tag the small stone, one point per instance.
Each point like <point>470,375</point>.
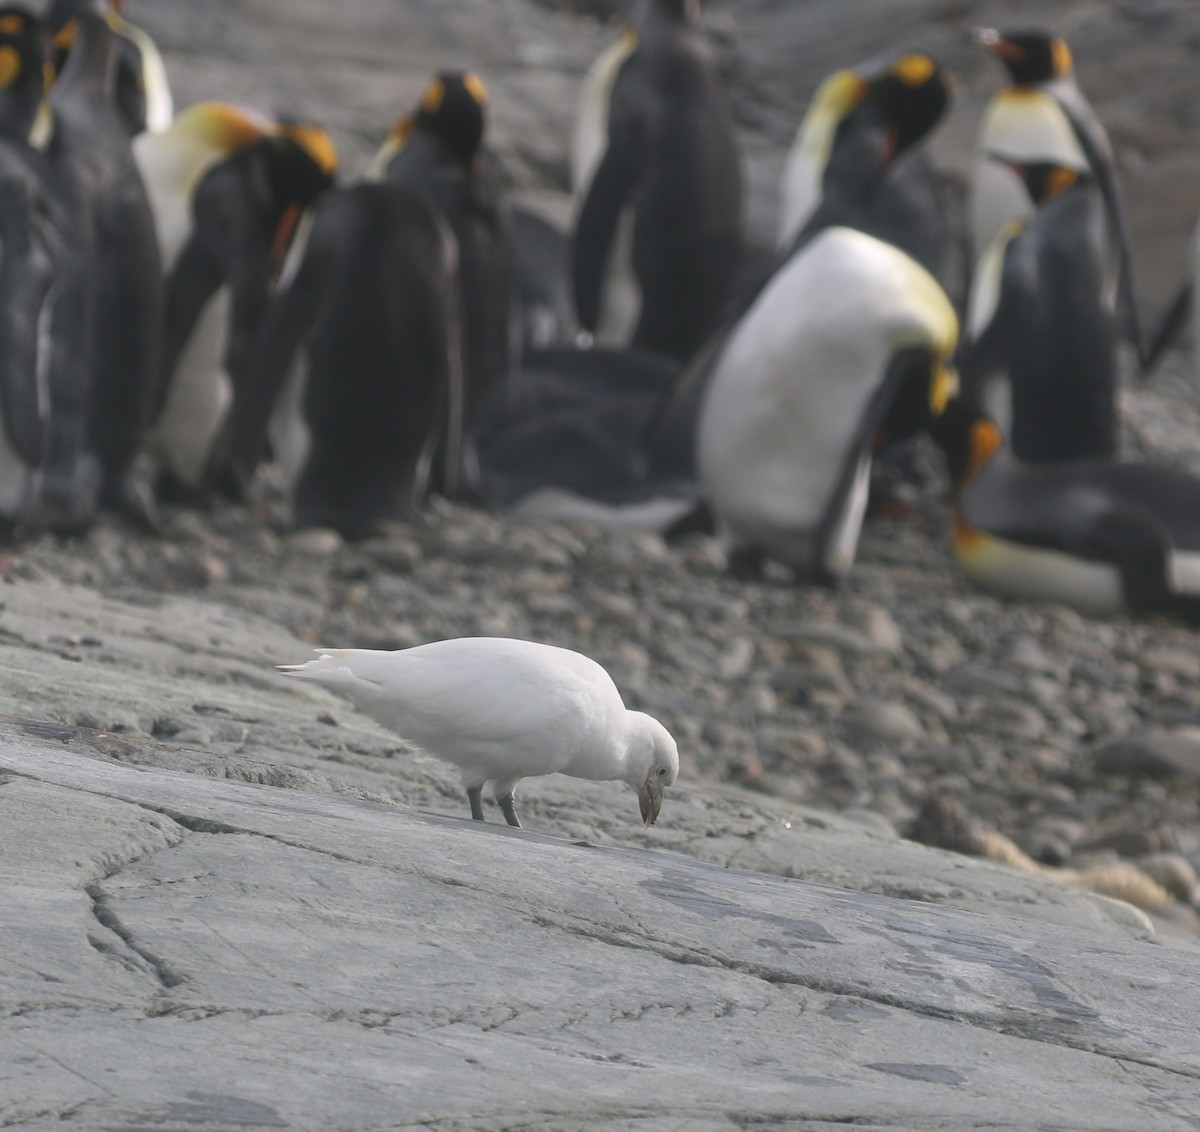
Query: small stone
<point>735,661</point>
<point>396,553</point>
<point>1005,716</point>
<point>883,722</point>
<point>319,542</point>
<point>880,629</point>
<point>1173,662</point>
<point>783,747</point>
<point>1164,754</point>
<point>844,639</point>
<point>1125,842</point>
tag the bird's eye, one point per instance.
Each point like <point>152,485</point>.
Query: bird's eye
<point>661,771</point>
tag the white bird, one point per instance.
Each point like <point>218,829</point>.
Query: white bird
<point>501,710</point>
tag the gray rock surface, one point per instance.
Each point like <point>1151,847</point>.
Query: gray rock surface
<point>183,953</point>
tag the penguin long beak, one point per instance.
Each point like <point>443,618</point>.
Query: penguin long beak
<point>650,798</point>
<point>997,44</point>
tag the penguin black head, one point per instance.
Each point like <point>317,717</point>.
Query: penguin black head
<point>683,11</point>
<point>1031,57</point>
<point>452,109</point>
<point>913,93</point>
<point>1043,180</point>
<point>24,48</point>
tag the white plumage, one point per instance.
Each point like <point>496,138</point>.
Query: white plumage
<point>501,710</point>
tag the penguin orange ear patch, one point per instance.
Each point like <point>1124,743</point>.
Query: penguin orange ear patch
<point>913,70</point>
<point>12,24</point>
<point>433,97</point>
<point>475,88</point>
<point>10,65</point>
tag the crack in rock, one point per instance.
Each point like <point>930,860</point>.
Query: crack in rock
<point>107,917</point>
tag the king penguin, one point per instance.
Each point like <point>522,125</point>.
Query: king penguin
<point>1041,349</point>
<point>439,152</point>
<point>90,153</point>
<point>671,157</point>
<point>142,90</point>
<point>858,151</point>
<point>1099,535</point>
<point>355,376</point>
<point>851,338</point>
<point>27,261</point>
<point>226,187</point>
<point>1043,117</point>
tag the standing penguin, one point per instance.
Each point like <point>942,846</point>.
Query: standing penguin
<point>226,187</point>
<point>848,340</point>
<point>1039,327</point>
<point>439,153</point>
<point>142,92</point>
<point>672,159</point>
<point>90,154</point>
<point>358,358</point>
<point>1044,117</point>
<point>858,153</point>
<point>1099,535</point>
<point>29,246</point>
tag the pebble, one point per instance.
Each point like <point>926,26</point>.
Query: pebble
<point>319,542</point>
<point>888,721</point>
<point>1166,754</point>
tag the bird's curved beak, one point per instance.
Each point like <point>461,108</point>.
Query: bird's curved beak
<point>650,798</point>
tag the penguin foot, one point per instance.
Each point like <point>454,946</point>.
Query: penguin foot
<point>133,499</point>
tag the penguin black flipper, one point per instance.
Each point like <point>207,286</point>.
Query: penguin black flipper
<point>26,278</point>
<point>897,408</point>
<point>1098,151</point>
<point>611,187</point>
<point>1168,330</point>
<point>290,320</point>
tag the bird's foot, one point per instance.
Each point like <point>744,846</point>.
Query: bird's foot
<point>509,810</point>
<point>474,797</point>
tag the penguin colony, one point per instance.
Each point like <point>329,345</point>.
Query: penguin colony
<point>189,297</point>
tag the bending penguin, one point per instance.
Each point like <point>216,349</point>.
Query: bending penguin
<point>227,188</point>
<point>1099,535</point>
<point>849,341</point>
<point>1043,116</point>
<point>857,151</point>
<point>671,158</point>
<point>355,374</point>
<point>142,92</point>
<point>1040,354</point>
<point>438,152</point>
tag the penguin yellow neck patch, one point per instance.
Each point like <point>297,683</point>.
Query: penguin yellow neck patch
<point>1060,56</point>
<point>984,443</point>
<point>315,142</point>
<point>1060,180</point>
<point>10,65</point>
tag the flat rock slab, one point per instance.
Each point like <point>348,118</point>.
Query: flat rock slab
<point>190,953</point>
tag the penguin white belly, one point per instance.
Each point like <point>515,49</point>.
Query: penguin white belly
<point>1184,572</point>
<point>199,398</point>
<point>1038,574</point>
<point>998,199</point>
<point>287,430</point>
<point>621,302</point>
<point>801,191</point>
<point>14,478</point>
<point>1195,319</point>
<point>776,422</point>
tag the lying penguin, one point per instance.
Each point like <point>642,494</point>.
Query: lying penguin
<point>1099,535</point>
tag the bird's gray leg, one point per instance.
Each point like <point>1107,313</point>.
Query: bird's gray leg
<point>473,796</point>
<point>508,809</point>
